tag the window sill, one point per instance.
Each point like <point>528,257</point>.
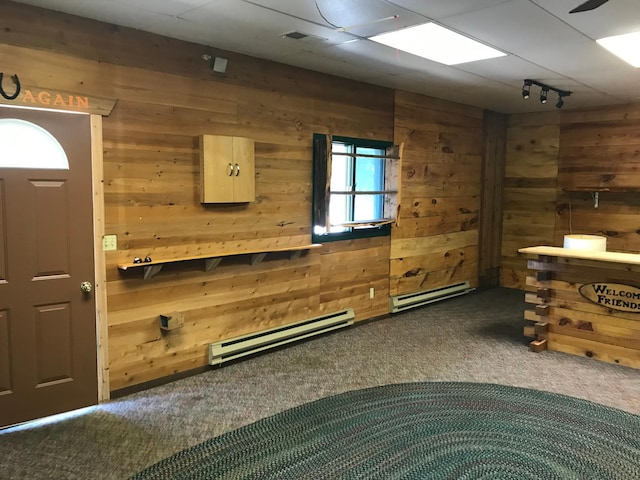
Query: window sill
<point>381,231</point>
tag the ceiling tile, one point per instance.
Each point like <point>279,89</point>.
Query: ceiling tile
<point>166,7</point>
<point>247,22</point>
<point>440,9</point>
<point>613,18</point>
<point>126,14</point>
<point>340,67</point>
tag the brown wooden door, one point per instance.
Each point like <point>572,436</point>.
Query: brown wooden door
<point>47,324</point>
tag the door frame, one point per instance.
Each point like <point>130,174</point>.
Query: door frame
<point>102,326</point>
<point>104,107</point>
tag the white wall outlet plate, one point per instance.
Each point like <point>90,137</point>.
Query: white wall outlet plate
<point>109,243</point>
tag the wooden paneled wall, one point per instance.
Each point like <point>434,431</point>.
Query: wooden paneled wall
<point>531,171</point>
<point>151,185</point>
<point>167,96</point>
<point>600,150</point>
<point>555,164</point>
<point>367,262</point>
<point>492,198</point>
<point>436,242</point>
<point>151,198</point>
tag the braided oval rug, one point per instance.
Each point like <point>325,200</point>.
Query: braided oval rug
<point>423,431</point>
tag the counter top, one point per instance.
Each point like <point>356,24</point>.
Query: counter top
<point>612,257</point>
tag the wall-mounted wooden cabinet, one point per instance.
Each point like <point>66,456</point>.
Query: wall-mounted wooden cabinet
<point>227,169</point>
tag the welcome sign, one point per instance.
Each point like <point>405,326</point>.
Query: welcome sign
<point>617,296</point>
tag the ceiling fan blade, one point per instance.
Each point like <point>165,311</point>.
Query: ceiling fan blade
<point>588,5</point>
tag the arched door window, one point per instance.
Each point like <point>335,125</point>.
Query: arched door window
<point>26,145</point>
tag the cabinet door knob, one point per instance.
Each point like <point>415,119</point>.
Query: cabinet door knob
<point>231,169</point>
<point>237,169</point>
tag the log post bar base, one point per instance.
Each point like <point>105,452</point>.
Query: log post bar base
<point>584,303</point>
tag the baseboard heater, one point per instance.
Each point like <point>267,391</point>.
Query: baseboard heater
<point>417,299</point>
<point>237,347</point>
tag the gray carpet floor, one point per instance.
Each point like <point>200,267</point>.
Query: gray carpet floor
<point>474,338</point>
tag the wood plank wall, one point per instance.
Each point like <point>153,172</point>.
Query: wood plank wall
<point>531,171</point>
<point>237,298</point>
<point>492,193</point>
<point>367,266</point>
<point>436,242</point>
<point>600,149</point>
<point>151,185</point>
<point>551,157</point>
<point>166,97</point>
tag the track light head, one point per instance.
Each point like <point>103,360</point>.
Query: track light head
<point>560,102</point>
<point>543,95</point>
<point>526,89</point>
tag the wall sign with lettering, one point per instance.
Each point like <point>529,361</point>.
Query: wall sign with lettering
<point>617,296</point>
<point>36,97</point>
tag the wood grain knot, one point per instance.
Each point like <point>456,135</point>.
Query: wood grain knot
<point>412,273</point>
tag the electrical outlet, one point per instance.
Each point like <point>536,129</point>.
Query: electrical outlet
<point>371,292</point>
<point>109,243</point>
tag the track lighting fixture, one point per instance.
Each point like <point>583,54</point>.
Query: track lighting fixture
<point>544,92</point>
<point>543,95</point>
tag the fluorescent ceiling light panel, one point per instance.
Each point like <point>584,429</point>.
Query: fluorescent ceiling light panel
<point>437,43</point>
<point>626,46</point>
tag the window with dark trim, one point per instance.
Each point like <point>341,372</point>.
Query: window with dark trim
<point>355,187</point>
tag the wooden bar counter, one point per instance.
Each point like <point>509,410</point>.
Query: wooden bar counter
<point>584,303</point>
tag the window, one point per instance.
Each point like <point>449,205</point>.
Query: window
<point>355,187</point>
<point>26,145</point>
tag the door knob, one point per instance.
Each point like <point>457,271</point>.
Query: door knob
<point>86,287</point>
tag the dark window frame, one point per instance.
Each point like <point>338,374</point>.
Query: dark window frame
<point>321,152</point>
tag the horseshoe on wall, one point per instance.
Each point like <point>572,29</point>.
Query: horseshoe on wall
<point>17,92</point>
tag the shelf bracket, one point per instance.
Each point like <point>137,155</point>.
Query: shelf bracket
<point>295,254</point>
<point>151,271</point>
<point>256,258</point>
<point>210,264</point>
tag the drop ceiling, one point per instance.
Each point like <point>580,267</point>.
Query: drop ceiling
<point>542,41</point>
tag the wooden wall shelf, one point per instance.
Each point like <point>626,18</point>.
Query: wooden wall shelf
<point>601,189</point>
<point>211,261</point>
